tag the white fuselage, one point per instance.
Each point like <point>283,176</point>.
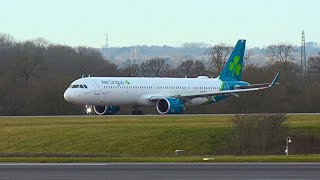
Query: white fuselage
<point>168,95</point>
<point>136,91</point>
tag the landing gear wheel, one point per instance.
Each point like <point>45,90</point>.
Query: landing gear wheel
<point>137,112</point>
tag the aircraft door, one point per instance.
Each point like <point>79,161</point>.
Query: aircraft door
<point>97,87</point>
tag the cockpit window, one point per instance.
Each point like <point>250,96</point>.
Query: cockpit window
<point>78,86</point>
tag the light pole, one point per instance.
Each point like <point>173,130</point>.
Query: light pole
<point>288,141</point>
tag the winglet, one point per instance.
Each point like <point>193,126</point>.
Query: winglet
<point>275,80</point>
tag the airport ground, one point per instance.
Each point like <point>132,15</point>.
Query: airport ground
<point>136,139</point>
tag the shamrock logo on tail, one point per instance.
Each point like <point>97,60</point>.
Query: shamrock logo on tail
<point>235,67</point>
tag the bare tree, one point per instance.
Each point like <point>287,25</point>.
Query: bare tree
<point>248,55</point>
<point>218,55</point>
<point>131,70</point>
<point>314,63</point>
<point>281,53</point>
<point>6,41</point>
<point>155,67</point>
<point>28,66</point>
<point>89,52</point>
<point>191,68</point>
<point>246,61</point>
<point>27,62</point>
<point>87,59</point>
<point>198,68</point>
<point>185,68</point>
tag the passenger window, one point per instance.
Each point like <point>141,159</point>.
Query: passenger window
<point>81,86</point>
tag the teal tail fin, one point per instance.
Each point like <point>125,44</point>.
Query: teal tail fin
<point>232,71</point>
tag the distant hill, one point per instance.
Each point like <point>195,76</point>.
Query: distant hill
<point>175,55</point>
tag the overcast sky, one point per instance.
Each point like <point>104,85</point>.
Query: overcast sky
<point>161,22</point>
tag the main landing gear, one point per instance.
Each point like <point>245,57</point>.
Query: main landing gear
<point>137,112</point>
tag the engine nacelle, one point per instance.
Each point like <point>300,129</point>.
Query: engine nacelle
<point>170,106</point>
<point>106,110</point>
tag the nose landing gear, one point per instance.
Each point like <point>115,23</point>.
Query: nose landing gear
<point>88,109</point>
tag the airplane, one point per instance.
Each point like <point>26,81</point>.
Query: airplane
<point>168,95</point>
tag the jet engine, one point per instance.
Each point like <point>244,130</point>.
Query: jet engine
<point>170,106</point>
<point>106,110</point>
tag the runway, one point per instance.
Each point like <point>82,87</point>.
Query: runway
<point>135,171</point>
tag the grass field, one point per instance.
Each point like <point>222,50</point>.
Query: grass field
<point>133,136</point>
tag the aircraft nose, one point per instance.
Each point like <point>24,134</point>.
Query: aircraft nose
<point>67,95</point>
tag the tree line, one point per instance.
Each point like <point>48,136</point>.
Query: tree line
<point>35,73</point>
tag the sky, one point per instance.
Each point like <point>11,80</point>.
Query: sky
<point>161,22</point>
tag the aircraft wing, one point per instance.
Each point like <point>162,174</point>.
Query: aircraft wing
<point>255,87</point>
<point>273,83</point>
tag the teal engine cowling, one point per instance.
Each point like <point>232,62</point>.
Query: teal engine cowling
<point>106,110</point>
<point>170,106</point>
